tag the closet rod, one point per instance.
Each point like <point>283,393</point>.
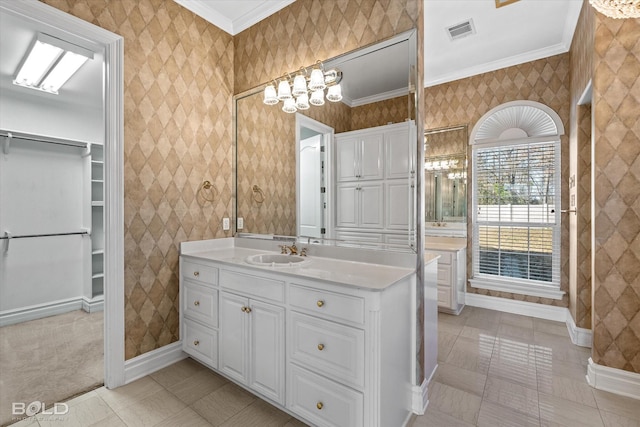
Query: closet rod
<point>42,138</point>
<point>23,236</point>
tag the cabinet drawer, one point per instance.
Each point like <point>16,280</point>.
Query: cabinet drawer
<point>200,273</point>
<point>248,284</point>
<point>444,275</point>
<point>444,296</point>
<point>328,348</point>
<point>200,303</point>
<point>201,343</point>
<point>327,304</point>
<point>322,401</point>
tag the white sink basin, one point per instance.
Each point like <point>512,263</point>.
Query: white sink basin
<point>277,260</point>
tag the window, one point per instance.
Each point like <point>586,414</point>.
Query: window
<point>516,218</point>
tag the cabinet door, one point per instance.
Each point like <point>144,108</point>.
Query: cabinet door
<point>397,205</point>
<point>347,205</point>
<point>371,157</point>
<point>267,350</point>
<point>346,158</point>
<point>398,154</point>
<point>234,341</point>
<point>371,211</point>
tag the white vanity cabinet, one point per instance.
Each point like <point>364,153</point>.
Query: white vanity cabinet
<point>360,205</point>
<point>452,277</point>
<point>334,355</point>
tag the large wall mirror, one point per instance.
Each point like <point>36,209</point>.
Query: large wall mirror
<point>286,163</point>
<point>445,177</point>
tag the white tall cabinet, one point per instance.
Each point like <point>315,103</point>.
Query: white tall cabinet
<point>375,172</point>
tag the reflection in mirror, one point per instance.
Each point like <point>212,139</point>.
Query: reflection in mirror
<point>446,180</point>
<point>279,152</point>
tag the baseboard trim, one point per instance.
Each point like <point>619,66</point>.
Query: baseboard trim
<point>579,336</point>
<point>92,305</point>
<point>152,361</point>
<point>613,380</point>
<point>525,308</point>
<point>11,317</point>
<point>420,394</point>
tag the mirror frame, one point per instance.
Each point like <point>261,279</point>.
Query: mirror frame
<point>413,100</point>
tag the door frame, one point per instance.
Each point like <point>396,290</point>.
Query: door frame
<point>327,139</point>
<point>112,46</point>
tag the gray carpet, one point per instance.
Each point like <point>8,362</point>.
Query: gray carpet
<point>50,360</point>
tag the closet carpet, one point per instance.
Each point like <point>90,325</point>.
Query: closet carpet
<point>50,360</point>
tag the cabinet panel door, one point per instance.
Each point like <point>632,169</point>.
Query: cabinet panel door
<point>371,205</point>
<point>372,157</point>
<point>346,158</point>
<point>397,205</point>
<point>347,205</point>
<point>233,344</point>
<point>267,350</point>
<point>398,153</point>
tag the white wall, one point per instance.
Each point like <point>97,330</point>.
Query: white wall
<point>44,189</point>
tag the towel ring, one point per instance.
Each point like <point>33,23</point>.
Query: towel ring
<point>206,185</point>
<point>258,195</point>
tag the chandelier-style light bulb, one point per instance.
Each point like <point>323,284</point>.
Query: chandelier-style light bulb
<point>299,85</point>
<point>334,94</point>
<point>289,106</point>
<point>284,90</point>
<point>270,96</point>
<point>302,102</point>
<point>617,9</point>
<point>317,97</point>
<point>317,80</point>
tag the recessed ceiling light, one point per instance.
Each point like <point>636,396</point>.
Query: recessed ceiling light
<point>49,63</point>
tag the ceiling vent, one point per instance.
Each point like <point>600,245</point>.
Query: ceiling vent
<point>461,30</point>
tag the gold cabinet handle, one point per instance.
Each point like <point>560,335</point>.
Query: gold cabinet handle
<point>319,405</point>
<point>320,347</point>
<point>196,273</point>
<point>248,310</point>
<point>196,303</point>
<point>320,303</point>
<point>196,343</point>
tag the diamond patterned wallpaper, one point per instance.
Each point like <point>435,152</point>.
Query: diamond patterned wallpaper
<point>580,147</point>
<point>393,110</point>
<point>178,76</point>
<point>616,314</point>
<point>465,101</point>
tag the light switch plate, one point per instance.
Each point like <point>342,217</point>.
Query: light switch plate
<point>225,224</point>
<point>240,223</point>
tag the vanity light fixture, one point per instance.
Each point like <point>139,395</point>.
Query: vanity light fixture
<point>305,89</point>
<point>50,63</point>
<point>617,9</point>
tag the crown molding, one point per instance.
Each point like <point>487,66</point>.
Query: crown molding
<point>201,9</point>
<point>375,98</point>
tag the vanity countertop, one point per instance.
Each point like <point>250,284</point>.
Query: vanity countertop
<point>361,275</point>
<point>438,243</point>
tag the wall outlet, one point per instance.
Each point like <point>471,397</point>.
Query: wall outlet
<point>225,224</point>
<point>240,223</point>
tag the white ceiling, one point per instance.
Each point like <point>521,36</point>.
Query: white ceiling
<point>513,34</point>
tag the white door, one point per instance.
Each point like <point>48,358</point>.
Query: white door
<point>347,205</point>
<point>398,153</point>
<point>371,196</point>
<point>267,350</point>
<point>371,157</point>
<point>311,203</point>
<point>397,205</point>
<point>347,153</point>
<point>233,337</point>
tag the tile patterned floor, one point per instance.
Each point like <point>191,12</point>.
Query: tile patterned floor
<point>495,369</point>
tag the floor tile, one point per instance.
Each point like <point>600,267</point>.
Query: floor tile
<point>195,387</point>
<point>445,344</point>
<point>556,411</point>
<point>454,402</point>
<point>495,415</point>
<point>460,378</point>
<point>621,405</point>
<point>150,411</point>
<point>566,388</point>
<point>515,332</point>
<point>474,333</point>
<point>517,320</point>
<point>185,418</point>
<point>177,372</point>
<point>514,361</point>
<point>433,418</point>
<point>110,421</point>
<point>222,404</point>
<point>471,354</point>
<point>551,327</point>
<point>611,419</point>
<point>259,413</point>
<point>84,410</point>
<point>511,395</point>
<point>129,394</point>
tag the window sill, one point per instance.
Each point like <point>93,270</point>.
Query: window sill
<point>517,288</point>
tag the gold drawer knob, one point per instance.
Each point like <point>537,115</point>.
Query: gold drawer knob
<point>196,303</point>
<point>196,343</point>
<point>319,405</point>
<point>320,303</point>
<point>320,347</point>
<point>196,273</point>
<point>246,309</point>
